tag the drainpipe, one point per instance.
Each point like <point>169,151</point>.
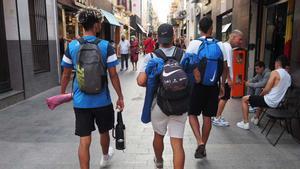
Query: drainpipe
<point>20,47</point>
<point>55,16</point>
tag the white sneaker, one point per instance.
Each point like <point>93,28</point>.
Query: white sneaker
<point>105,161</point>
<point>221,122</point>
<point>224,122</point>
<point>243,125</point>
<point>215,121</point>
<point>254,120</point>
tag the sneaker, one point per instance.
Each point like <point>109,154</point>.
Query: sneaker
<point>105,160</point>
<point>254,120</point>
<point>200,151</point>
<point>221,122</point>
<point>158,165</point>
<point>252,109</point>
<point>243,125</point>
<point>224,122</point>
<point>215,121</point>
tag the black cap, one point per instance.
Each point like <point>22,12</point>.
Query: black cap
<point>165,33</point>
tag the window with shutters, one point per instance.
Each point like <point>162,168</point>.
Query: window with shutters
<point>39,35</point>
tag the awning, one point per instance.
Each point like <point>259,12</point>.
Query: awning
<point>141,28</point>
<point>130,27</point>
<point>110,18</point>
<point>226,27</point>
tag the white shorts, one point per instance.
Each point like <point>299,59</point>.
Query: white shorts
<point>162,123</point>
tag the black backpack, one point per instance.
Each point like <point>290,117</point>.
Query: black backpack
<point>173,91</point>
<point>90,70</point>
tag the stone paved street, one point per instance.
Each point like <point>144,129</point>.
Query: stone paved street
<point>33,137</point>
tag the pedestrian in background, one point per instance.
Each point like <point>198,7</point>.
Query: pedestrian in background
<point>134,52</point>
<point>174,124</point>
<point>149,44</point>
<point>124,47</point>
<point>97,107</point>
<point>177,43</point>
<point>235,40</point>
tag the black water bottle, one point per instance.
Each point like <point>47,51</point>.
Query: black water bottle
<point>120,132</point>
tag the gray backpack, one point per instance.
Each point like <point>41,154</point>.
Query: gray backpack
<point>90,70</point>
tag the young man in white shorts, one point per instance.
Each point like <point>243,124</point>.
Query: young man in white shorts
<point>162,123</point>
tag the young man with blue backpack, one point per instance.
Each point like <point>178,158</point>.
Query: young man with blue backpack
<point>92,58</point>
<point>208,65</point>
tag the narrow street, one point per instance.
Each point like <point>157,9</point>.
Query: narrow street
<point>33,137</point>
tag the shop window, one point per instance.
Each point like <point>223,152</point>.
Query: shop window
<point>4,69</point>
<point>275,33</point>
<point>39,35</point>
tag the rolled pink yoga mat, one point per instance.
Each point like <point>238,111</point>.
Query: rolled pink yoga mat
<point>57,100</point>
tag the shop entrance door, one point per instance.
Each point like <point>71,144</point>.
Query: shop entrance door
<point>4,69</point>
<point>275,33</point>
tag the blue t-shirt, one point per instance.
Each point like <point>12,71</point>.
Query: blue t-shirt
<point>80,99</point>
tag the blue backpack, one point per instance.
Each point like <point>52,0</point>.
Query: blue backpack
<point>211,61</point>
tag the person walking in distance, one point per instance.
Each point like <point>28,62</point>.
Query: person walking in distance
<point>235,40</point>
<point>134,52</point>
<point>149,44</point>
<point>169,118</point>
<point>207,73</point>
<point>92,59</point>
<point>124,47</point>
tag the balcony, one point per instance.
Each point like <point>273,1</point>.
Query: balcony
<point>121,4</point>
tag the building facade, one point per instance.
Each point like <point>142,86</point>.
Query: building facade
<point>29,49</point>
<point>122,10</point>
<point>269,27</point>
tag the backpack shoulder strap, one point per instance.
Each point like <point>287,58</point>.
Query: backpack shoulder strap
<point>178,53</point>
<point>159,53</point>
<point>81,40</point>
<point>96,41</point>
<point>202,40</point>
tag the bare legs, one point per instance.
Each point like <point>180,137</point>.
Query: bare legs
<point>84,149</point>
<point>221,107</point>
<point>178,153</point>
<point>177,147</point>
<point>84,152</point>
<point>245,108</point>
<point>206,127</point>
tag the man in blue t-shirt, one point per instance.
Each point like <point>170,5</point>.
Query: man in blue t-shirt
<point>97,107</point>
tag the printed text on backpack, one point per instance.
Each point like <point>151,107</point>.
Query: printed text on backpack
<point>173,91</point>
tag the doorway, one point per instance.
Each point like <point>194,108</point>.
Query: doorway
<point>275,26</point>
<point>4,68</point>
